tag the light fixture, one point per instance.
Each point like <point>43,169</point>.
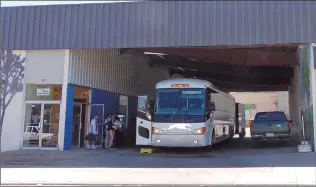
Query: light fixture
<point>181,68</point>
<point>150,53</point>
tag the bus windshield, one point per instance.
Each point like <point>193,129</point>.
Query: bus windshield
<point>182,101</point>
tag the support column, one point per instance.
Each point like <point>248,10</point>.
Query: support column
<point>294,103</point>
<point>66,108</point>
<point>307,91</point>
<point>69,117</point>
<point>313,83</point>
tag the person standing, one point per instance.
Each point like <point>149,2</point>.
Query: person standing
<point>115,126</point>
<point>108,123</point>
<point>110,128</point>
<point>93,131</point>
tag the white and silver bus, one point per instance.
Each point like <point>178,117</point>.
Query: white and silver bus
<point>185,113</point>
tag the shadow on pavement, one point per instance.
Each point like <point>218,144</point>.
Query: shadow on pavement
<point>230,154</point>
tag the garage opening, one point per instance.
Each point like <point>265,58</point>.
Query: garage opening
<point>265,73</point>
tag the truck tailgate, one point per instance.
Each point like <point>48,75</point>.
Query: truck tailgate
<point>277,127</point>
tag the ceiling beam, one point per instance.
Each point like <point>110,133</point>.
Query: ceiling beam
<point>235,78</point>
<point>250,57</point>
<point>234,87</point>
<point>225,69</point>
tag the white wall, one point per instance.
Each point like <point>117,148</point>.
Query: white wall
<point>283,102</point>
<point>106,69</point>
<point>264,101</point>
<point>44,67</point>
<point>41,67</point>
<point>12,124</point>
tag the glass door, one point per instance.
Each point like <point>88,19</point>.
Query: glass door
<point>93,110</point>
<point>50,125</point>
<point>41,125</point>
<point>32,121</point>
<point>77,125</point>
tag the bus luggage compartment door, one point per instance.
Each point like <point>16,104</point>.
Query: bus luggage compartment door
<point>143,124</point>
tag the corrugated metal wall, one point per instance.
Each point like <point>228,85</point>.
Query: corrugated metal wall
<point>106,69</point>
<point>158,24</point>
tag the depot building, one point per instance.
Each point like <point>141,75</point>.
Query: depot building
<point>62,64</point>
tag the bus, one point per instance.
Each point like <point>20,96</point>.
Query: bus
<point>185,113</point>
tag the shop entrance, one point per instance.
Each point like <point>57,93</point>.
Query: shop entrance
<point>41,124</point>
<point>78,126</point>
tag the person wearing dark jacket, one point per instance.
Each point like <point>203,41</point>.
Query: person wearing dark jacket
<point>115,121</point>
<point>108,126</point>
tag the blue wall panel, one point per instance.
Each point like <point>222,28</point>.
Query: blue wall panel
<point>109,99</point>
<point>69,114</point>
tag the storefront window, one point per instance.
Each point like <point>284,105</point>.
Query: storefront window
<point>37,132</point>
<point>43,92</point>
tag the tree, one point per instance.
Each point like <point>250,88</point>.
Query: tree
<point>12,74</point>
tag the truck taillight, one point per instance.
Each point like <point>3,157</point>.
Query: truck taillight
<point>250,124</point>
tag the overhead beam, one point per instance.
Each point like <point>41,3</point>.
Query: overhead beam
<point>235,87</point>
<point>235,78</point>
<point>249,57</point>
<point>225,69</point>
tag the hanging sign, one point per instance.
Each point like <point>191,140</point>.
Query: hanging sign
<point>42,91</point>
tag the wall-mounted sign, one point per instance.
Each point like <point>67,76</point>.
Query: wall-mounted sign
<point>42,91</point>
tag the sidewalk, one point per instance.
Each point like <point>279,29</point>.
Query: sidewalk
<point>250,176</point>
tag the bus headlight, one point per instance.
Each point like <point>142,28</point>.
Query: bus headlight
<point>199,131</point>
<point>156,131</point>
<point>148,115</point>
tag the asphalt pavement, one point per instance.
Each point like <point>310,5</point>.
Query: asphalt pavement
<point>233,162</point>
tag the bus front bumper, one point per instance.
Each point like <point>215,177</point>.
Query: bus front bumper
<point>178,140</point>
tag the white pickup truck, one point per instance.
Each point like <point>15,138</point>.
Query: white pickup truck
<point>31,133</point>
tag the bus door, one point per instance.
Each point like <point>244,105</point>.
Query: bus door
<point>143,124</point>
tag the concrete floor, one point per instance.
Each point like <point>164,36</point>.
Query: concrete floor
<point>233,162</point>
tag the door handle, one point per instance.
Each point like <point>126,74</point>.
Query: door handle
<point>141,122</point>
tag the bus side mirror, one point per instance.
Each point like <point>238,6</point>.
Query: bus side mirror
<point>212,106</point>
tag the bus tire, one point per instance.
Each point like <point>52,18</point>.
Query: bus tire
<point>213,138</point>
